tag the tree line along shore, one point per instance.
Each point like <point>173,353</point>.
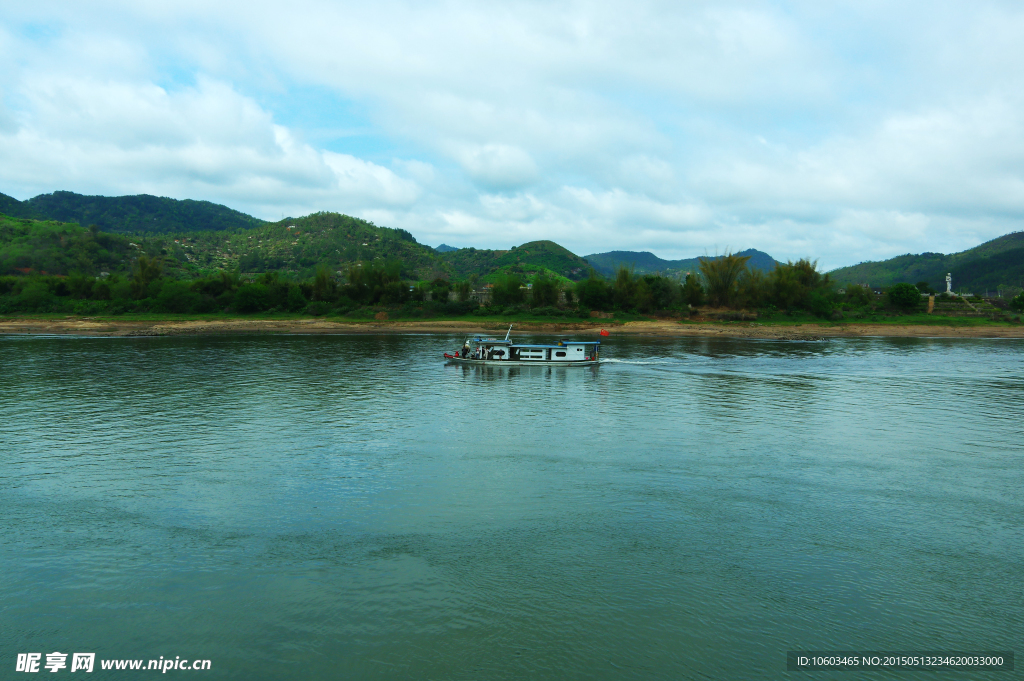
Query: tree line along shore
<point>63,268</point>
<point>723,289</point>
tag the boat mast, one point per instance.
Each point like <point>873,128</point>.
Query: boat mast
<point>509,332</point>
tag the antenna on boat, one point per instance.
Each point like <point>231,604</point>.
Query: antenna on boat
<point>509,331</point>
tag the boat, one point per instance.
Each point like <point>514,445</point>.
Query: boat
<point>505,352</point>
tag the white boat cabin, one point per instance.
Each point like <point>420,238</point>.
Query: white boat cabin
<point>494,350</point>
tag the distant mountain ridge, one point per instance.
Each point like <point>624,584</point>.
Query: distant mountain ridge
<point>991,265</point>
<point>140,214</point>
<point>644,262</point>
<point>337,241</point>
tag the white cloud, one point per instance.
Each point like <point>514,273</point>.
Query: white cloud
<point>206,141</point>
<point>831,131</point>
<point>498,166</point>
<point>365,181</point>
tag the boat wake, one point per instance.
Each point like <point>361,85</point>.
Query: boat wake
<point>638,362</point>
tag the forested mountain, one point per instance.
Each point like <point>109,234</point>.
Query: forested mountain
<point>644,262</point>
<point>993,264</point>
<point>445,248</point>
<point>536,257</point>
<point>142,214</point>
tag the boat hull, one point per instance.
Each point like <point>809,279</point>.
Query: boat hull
<point>521,363</point>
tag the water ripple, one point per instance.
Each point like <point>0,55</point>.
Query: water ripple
<point>350,506</point>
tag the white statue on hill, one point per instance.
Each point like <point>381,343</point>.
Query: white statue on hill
<point>949,283</point>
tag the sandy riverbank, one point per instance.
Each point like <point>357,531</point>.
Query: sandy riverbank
<point>127,327</point>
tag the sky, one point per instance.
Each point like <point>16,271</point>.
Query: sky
<point>842,132</point>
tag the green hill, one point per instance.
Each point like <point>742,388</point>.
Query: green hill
<point>294,246</point>
<point>994,264</point>
<point>298,246</point>
<point>334,240</point>
<point>644,262</point>
<point>48,247</point>
<point>530,259</point>
<point>142,214</point>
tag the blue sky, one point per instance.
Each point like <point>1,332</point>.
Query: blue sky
<point>839,131</point>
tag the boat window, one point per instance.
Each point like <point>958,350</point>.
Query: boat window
<point>559,354</point>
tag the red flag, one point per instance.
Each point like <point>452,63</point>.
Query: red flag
<point>603,332</point>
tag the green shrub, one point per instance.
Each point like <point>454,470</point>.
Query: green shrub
<point>508,291</point>
<point>101,291</point>
<point>317,308</point>
<point>145,272</point>
<point>544,292</point>
<point>296,301</point>
<point>207,303</point>
<point>252,298</point>
<point>361,313</point>
<point>456,307</point>
<point>857,295</point>
<point>820,305</point>
<point>905,296</point>
<point>177,296</point>
<point>594,294</point>
<point>722,277</point>
<point>35,297</point>
<point>693,292</point>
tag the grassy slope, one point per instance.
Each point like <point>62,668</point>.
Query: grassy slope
<point>999,262</point>
<point>530,259</point>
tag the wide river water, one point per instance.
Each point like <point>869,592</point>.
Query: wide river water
<point>349,507</point>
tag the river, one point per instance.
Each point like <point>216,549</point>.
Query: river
<point>326,507</point>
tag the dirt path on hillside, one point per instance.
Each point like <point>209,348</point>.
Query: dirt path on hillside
<point>85,326</point>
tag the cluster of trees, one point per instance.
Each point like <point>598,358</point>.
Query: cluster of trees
<point>792,286</point>
<point>725,281</point>
<point>644,294</point>
<point>147,289</point>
